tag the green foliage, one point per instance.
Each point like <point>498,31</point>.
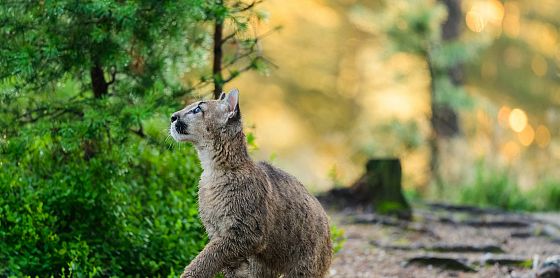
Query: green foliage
<point>334,177</point>
<point>251,139</point>
<point>337,238</point>
<point>546,196</point>
<point>129,209</point>
<point>89,186</point>
<point>413,195</point>
<point>45,41</point>
<point>390,207</point>
<point>494,188</point>
<point>394,138</point>
<point>415,27</point>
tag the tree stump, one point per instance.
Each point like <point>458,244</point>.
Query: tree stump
<point>378,189</point>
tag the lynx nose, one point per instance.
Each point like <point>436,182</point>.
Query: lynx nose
<point>174,118</point>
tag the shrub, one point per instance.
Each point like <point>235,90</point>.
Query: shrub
<point>129,209</point>
<point>88,186</point>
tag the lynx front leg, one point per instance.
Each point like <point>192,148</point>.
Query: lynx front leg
<point>239,270</point>
<point>218,254</point>
<point>250,268</point>
<point>211,260</point>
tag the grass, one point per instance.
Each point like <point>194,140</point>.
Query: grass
<point>494,188</point>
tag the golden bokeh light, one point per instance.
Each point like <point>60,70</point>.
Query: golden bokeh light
<point>511,23</point>
<point>382,81</point>
<point>494,11</point>
<point>511,150</point>
<point>483,120</point>
<point>540,36</point>
<point>517,120</point>
<point>503,116</point>
<point>539,66</point>
<point>542,136</point>
<point>485,13</point>
<point>475,22</point>
<point>526,136</point>
<point>548,39</point>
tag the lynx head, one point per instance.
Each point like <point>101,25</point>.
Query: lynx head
<point>204,122</point>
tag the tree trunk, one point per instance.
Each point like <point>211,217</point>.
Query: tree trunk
<point>218,53</point>
<point>444,120</point>
<point>100,88</point>
<point>99,85</point>
<point>378,189</point>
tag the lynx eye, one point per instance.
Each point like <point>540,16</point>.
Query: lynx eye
<point>197,110</point>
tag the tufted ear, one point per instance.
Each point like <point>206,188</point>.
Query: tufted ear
<point>232,102</point>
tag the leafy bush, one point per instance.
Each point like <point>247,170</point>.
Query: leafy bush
<point>89,186</point>
<point>129,209</point>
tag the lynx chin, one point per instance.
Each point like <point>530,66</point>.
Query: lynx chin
<point>261,221</point>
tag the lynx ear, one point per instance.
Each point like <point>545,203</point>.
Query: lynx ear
<point>232,102</point>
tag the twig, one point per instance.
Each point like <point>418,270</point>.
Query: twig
<point>248,7</point>
<point>113,74</point>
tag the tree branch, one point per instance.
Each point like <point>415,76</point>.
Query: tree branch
<point>53,113</point>
<point>228,37</point>
<point>113,74</point>
<point>139,132</point>
<point>248,7</point>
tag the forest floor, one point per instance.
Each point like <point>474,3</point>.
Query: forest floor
<point>445,241</point>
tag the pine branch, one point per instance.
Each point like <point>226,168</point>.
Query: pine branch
<point>52,113</point>
<point>229,37</point>
<point>248,7</point>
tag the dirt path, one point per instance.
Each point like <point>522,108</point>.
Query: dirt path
<point>381,247</point>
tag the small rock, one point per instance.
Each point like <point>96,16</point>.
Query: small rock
<point>550,268</point>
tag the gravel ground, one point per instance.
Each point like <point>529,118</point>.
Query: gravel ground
<point>361,258</point>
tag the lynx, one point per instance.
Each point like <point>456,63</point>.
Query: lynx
<point>261,221</point>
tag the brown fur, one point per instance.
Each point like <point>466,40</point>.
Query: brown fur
<point>261,221</point>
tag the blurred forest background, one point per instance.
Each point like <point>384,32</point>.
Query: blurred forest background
<point>355,78</point>
<point>466,93</point>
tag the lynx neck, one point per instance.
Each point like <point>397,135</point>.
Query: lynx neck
<point>226,154</point>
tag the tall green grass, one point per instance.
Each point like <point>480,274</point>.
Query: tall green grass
<point>495,188</point>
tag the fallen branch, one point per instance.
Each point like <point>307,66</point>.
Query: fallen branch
<point>446,263</point>
<point>462,264</point>
<point>544,230</point>
<point>463,248</point>
<point>465,209</point>
<point>513,222</point>
<point>372,218</point>
<point>490,259</point>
